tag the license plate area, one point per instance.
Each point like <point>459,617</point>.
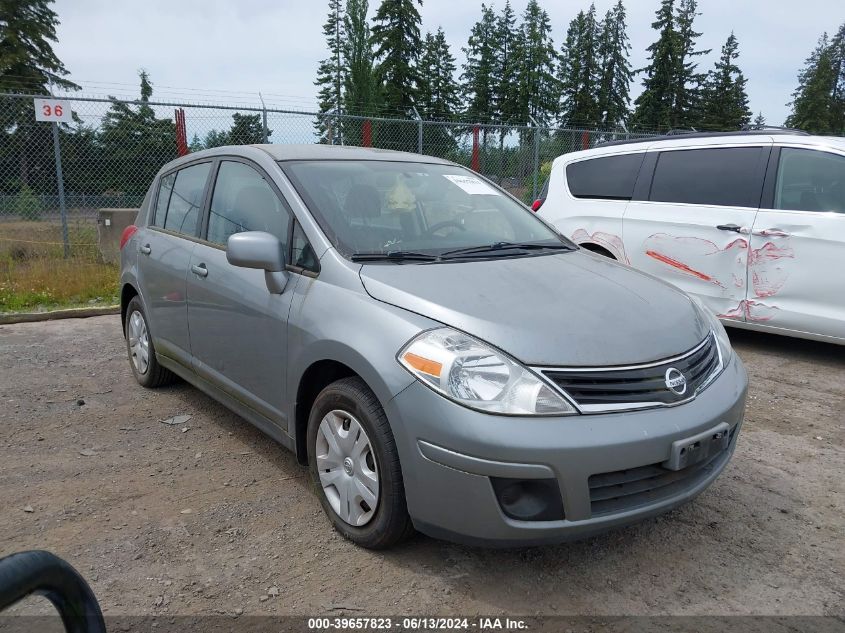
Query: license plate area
<point>692,450</point>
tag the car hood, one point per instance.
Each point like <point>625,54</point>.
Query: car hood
<point>566,309</point>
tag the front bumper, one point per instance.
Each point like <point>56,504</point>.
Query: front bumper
<point>449,453</point>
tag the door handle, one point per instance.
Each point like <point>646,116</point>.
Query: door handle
<point>736,228</point>
<point>771,233</point>
<point>200,270</point>
<point>145,249</point>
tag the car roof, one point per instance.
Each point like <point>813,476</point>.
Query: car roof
<point>703,140</point>
<point>314,151</point>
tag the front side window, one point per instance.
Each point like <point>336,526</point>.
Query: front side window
<point>725,176</point>
<point>186,199</point>
<point>810,180</point>
<point>608,178</point>
<point>379,207</point>
<point>302,254</point>
<point>244,201</point>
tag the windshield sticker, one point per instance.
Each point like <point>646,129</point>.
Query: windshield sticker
<point>472,185</point>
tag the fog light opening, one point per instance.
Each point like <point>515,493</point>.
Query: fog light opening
<point>529,499</point>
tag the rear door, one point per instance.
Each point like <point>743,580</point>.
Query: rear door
<point>164,255</point>
<point>798,244</point>
<point>238,327</point>
<point>691,217</point>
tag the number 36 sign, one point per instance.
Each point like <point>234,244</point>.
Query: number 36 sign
<point>53,110</point>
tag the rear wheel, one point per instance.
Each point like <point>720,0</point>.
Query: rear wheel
<point>139,345</point>
<point>355,467</point>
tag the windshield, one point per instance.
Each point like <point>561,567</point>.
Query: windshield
<point>372,208</point>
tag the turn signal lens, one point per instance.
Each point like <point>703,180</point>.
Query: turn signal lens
<point>426,366</point>
<point>475,375</point>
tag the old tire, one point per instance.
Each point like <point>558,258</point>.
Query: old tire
<point>140,348</point>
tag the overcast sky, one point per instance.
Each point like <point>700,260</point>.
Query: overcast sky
<point>227,51</point>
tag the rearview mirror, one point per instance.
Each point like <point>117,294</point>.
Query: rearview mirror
<point>260,250</point>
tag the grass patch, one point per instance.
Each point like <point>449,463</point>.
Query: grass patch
<point>45,284</point>
<point>35,276</point>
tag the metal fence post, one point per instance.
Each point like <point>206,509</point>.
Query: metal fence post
<point>60,180</point>
<point>263,119</point>
<point>419,130</point>
<point>536,189</point>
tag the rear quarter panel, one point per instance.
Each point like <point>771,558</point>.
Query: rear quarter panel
<point>586,222</point>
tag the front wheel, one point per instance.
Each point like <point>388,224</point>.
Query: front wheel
<point>355,467</point>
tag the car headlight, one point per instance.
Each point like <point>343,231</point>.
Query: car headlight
<point>479,377</point>
<point>722,340</point>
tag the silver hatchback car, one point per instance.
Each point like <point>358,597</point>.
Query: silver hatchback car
<point>440,357</point>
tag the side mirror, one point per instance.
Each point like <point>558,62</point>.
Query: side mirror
<point>260,250</point>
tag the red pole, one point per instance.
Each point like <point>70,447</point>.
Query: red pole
<point>585,140</point>
<point>181,133</point>
<point>475,165</point>
<point>367,134</point>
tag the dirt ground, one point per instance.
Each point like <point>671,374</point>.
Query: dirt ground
<point>212,517</point>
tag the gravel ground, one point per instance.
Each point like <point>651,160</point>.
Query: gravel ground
<point>212,517</point>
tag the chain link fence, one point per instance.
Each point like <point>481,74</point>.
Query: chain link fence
<point>49,252</point>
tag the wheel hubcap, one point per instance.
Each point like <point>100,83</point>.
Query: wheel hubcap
<point>139,343</point>
<point>347,467</point>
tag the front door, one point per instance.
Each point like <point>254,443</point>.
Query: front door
<point>691,226</point>
<point>238,327</point>
<point>797,252</point>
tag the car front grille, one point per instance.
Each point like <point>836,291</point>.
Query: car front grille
<point>601,389</point>
<point>623,490</point>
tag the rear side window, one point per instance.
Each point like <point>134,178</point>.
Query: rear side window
<point>720,176</point>
<point>186,199</point>
<point>810,181</point>
<point>164,192</point>
<point>609,178</point>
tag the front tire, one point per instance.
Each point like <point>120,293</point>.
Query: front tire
<point>139,346</point>
<point>355,466</point>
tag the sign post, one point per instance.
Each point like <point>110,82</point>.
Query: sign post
<point>56,111</point>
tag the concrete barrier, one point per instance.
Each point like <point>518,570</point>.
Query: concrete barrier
<point>110,225</point>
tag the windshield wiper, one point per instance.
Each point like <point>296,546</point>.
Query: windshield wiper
<point>394,256</point>
<point>506,246</point>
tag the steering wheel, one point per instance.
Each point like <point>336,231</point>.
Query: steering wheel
<point>442,225</point>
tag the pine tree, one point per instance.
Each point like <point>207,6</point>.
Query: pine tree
<point>247,129</point>
<point>27,61</point>
<point>331,74</point>
<point>655,105</point>
<point>136,142</point>
<point>28,65</point>
<point>361,90</point>
<point>579,72</point>
<point>759,121</point>
<point>439,93</point>
<point>838,96</point>
<point>613,51</point>
<point>539,89</point>
<point>724,102</point>
<point>505,92</point>
<point>480,83</point>
<point>812,104</point>
<point>396,37</point>
<point>688,81</point>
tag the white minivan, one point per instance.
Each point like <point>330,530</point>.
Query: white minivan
<point>752,223</point>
